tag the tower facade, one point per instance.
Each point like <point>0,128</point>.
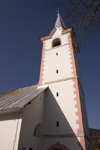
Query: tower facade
<point>65,125</point>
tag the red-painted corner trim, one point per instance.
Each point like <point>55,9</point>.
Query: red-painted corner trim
<point>42,65</point>
<point>76,92</point>
<point>82,143</point>
<point>43,37</point>
<point>57,145</point>
<point>78,106</point>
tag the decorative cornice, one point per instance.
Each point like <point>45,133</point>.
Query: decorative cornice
<point>64,135</point>
<point>67,136</point>
<point>48,36</point>
<point>56,47</point>
<point>60,80</point>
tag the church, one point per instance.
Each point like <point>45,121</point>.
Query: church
<point>52,114</point>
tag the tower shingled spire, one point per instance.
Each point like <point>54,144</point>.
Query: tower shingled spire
<point>59,22</point>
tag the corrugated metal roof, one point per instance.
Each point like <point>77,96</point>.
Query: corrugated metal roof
<point>19,98</point>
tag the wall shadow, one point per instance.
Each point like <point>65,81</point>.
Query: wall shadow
<point>63,132</point>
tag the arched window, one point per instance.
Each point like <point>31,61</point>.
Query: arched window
<point>56,42</point>
<point>37,131</point>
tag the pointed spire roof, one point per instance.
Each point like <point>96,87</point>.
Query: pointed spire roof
<point>59,22</point>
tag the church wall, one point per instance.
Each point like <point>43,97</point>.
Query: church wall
<point>9,133</point>
<point>32,116</point>
<point>61,109</point>
<point>60,62</point>
<point>82,100</point>
<point>57,33</point>
<point>59,71</point>
<point>64,40</point>
<point>77,68</point>
<point>65,114</point>
<point>70,143</point>
<point>85,121</point>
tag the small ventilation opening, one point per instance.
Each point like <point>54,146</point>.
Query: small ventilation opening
<point>56,42</point>
<point>57,94</point>
<point>56,71</point>
<point>57,123</point>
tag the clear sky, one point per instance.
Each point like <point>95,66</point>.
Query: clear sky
<point>22,22</point>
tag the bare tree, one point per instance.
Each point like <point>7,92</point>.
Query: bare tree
<point>82,15</point>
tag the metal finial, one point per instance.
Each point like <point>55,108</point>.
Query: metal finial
<point>58,11</point>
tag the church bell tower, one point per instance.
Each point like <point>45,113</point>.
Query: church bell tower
<point>65,125</point>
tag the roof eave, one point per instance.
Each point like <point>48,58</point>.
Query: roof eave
<point>48,36</point>
<point>44,37</point>
<point>11,111</point>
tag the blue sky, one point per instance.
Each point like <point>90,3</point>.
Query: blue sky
<point>22,22</point>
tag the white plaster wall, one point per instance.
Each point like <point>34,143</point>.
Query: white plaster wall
<point>32,115</point>
<point>63,37</point>
<point>57,33</point>
<point>83,107</point>
<point>9,134</point>
<point>60,62</point>
<point>65,141</point>
<point>61,108</point>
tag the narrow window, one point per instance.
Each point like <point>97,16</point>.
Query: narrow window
<point>37,131</point>
<point>57,94</point>
<point>57,123</point>
<point>56,71</point>
<point>56,42</point>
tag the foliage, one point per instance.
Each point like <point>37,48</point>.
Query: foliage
<point>82,15</point>
<point>94,136</point>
